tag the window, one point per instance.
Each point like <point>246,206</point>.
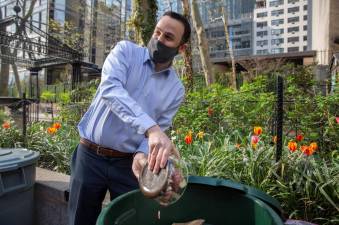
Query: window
<point>262,52</point>
<point>293,49</point>
<point>246,44</point>
<point>305,17</point>
<point>262,33</point>
<point>277,12</point>
<point>277,41</point>
<point>293,10</point>
<point>276,3</point>
<point>262,24</point>
<point>293,19</point>
<point>305,7</point>
<point>262,43</point>
<point>293,39</point>
<point>277,31</point>
<point>277,50</point>
<point>305,48</point>
<point>40,19</point>
<point>277,22</point>
<point>305,27</point>
<point>292,29</point>
<point>305,38</point>
<point>260,15</point>
<point>293,1</point>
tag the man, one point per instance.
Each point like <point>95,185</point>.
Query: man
<point>124,126</point>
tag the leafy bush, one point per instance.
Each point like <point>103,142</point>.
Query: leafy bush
<point>10,136</point>
<point>306,186</point>
<point>54,144</point>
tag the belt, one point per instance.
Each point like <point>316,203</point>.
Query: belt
<point>102,151</point>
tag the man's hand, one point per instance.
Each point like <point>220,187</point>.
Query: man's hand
<point>139,161</point>
<point>160,148</point>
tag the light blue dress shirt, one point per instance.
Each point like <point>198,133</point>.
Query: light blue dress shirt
<point>131,98</point>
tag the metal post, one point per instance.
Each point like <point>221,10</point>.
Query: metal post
<point>24,119</point>
<point>76,74</point>
<point>280,116</point>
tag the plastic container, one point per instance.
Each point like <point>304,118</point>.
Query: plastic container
<point>168,185</point>
<point>217,201</point>
<point>17,178</point>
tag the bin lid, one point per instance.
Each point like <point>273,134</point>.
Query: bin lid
<point>13,158</point>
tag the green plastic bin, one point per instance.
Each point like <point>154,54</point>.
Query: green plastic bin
<point>17,178</point>
<point>217,201</point>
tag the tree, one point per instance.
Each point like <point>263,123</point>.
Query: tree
<point>260,65</point>
<point>202,44</point>
<point>20,29</point>
<point>225,21</point>
<point>144,19</point>
<point>188,51</point>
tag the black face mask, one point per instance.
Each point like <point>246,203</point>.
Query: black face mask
<point>159,52</point>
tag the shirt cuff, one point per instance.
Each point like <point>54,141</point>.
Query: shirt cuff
<point>143,147</point>
<point>143,123</point>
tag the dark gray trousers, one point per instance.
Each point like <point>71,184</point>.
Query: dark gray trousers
<point>91,176</point>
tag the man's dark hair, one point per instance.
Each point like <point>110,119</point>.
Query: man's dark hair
<point>184,21</point>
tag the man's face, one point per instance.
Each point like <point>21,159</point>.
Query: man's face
<point>169,31</point>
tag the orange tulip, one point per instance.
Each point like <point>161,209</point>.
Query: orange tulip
<point>299,137</point>
<point>314,146</point>
<point>292,146</point>
<point>57,125</point>
<point>257,130</point>
<point>6,125</point>
<point>51,130</point>
<point>307,150</point>
<point>188,139</point>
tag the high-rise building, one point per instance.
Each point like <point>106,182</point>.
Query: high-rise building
<point>239,18</point>
<point>280,26</point>
<point>169,5</point>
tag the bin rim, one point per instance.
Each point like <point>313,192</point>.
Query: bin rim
<point>260,197</point>
<point>246,189</point>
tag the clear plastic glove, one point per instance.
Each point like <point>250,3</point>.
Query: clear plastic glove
<point>160,148</point>
<point>139,161</point>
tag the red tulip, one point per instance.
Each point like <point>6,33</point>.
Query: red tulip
<point>299,137</point>
<point>188,139</point>
<point>254,140</point>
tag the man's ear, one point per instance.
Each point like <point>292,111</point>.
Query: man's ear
<point>182,48</point>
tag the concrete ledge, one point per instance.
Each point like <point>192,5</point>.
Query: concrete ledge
<point>51,192</point>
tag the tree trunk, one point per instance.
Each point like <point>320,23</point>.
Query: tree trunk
<point>17,79</point>
<point>144,19</point>
<point>188,69</point>
<point>225,21</point>
<point>203,44</point>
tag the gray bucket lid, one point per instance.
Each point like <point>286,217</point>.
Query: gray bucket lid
<point>14,158</point>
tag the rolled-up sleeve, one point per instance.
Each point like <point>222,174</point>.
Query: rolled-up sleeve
<point>164,120</point>
<point>113,92</point>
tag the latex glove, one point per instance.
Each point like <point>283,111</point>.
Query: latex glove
<point>160,147</point>
<point>139,161</point>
